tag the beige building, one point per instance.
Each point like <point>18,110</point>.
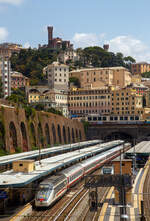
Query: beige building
<point>56,99</point>
<point>140,68</point>
<point>7,49</point>
<point>50,98</point>
<point>95,77</point>
<point>127,103</point>
<point>68,54</point>
<point>84,102</point>
<point>58,76</point>
<point>136,78</point>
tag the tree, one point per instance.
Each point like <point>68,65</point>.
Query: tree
<point>75,81</point>
<point>31,63</point>
<point>18,96</point>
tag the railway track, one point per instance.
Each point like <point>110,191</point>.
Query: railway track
<point>63,210</point>
<point>93,216</point>
<point>60,209</point>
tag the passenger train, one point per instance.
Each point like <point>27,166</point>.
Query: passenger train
<point>54,187</point>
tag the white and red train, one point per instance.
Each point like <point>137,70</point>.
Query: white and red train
<point>54,187</point>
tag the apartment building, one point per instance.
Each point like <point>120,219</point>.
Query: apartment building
<point>140,68</point>
<point>84,102</point>
<point>18,80</point>
<point>6,76</point>
<point>7,49</point>
<point>33,96</point>
<point>127,102</point>
<point>56,99</point>
<point>49,98</point>
<point>68,55</point>
<point>95,77</point>
<point>58,76</point>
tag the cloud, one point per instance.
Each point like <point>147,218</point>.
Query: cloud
<point>3,34</point>
<point>27,45</point>
<point>12,2</point>
<point>87,39</point>
<point>129,45</point>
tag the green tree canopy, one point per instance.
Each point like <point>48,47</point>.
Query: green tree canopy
<point>30,62</point>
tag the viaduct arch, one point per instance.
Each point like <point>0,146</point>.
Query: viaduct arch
<point>28,132</point>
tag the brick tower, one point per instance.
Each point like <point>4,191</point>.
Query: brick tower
<point>50,35</point>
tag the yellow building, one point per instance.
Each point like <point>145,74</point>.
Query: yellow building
<point>84,102</point>
<point>136,78</point>
<point>96,77</point>
<point>33,96</point>
<point>140,68</point>
<point>127,102</point>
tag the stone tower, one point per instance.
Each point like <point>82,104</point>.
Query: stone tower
<point>50,35</point>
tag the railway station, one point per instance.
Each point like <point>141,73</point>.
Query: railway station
<point>20,183</point>
<point>6,161</point>
<point>140,153</point>
<point>137,200</point>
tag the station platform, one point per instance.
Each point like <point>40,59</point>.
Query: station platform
<point>49,165</point>
<point>4,160</point>
<point>111,212</point>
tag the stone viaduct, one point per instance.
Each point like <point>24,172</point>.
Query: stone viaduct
<point>22,131</point>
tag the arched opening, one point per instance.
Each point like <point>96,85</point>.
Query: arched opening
<point>73,138</point>
<point>47,133</point>
<point>24,137</point>
<point>69,137</point>
<point>77,135</point>
<point>119,136</point>
<point>2,135</point>
<point>54,134</point>
<point>33,136</point>
<point>64,134</point>
<point>59,133</point>
<point>13,137</point>
<point>80,136</point>
<point>40,135</point>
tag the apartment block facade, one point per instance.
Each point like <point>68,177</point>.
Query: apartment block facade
<point>83,102</point>
<point>6,76</point>
<point>7,49</point>
<point>140,68</point>
<point>18,80</point>
<point>95,77</point>
<point>127,102</point>
<point>50,98</point>
<point>58,76</point>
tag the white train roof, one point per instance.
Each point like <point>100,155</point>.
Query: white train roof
<point>19,179</point>
<point>31,154</point>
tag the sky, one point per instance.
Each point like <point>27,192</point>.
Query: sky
<point>124,25</point>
